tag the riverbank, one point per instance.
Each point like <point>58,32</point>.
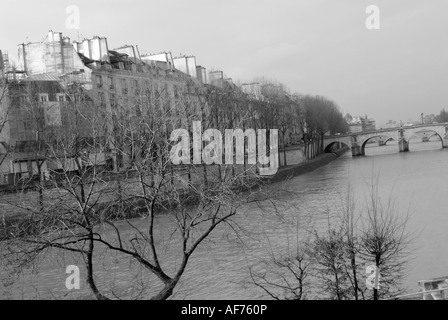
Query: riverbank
<point>310,165</point>
<point>284,173</point>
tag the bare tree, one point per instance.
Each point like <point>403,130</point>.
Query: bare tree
<point>385,242</point>
<point>334,261</point>
<point>82,207</point>
<point>328,253</point>
<point>284,276</point>
<point>351,240</point>
<point>320,116</point>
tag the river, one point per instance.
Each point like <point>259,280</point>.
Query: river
<point>416,180</point>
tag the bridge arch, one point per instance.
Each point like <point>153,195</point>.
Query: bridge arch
<point>390,139</point>
<point>432,134</point>
<point>330,142</point>
<point>331,145</point>
<point>363,146</point>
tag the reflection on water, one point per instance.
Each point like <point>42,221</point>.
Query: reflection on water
<point>417,180</point>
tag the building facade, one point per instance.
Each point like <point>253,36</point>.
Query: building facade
<point>359,123</point>
<point>116,88</point>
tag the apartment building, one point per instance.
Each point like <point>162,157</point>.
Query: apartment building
<point>121,84</point>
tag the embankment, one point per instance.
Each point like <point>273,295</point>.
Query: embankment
<point>308,166</point>
<point>130,209</point>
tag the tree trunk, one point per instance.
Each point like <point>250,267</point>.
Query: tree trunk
<point>355,276</point>
<point>166,292</point>
<point>41,191</point>
<point>284,157</point>
<point>90,280</point>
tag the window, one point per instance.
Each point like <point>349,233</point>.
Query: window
<point>136,88</point>
<point>101,98</point>
<point>43,97</point>
<point>99,81</point>
<point>27,125</point>
<point>60,97</point>
<point>113,100</point>
<point>20,166</point>
<point>111,82</point>
<point>124,89</point>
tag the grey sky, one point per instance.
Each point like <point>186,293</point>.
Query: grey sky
<point>314,46</point>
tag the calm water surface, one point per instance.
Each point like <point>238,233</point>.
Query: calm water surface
<point>417,181</point>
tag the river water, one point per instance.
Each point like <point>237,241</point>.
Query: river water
<point>417,181</point>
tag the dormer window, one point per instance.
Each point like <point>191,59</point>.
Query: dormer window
<point>61,97</point>
<point>43,97</point>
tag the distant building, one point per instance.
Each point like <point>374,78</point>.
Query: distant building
<point>360,124</point>
<point>186,64</point>
<point>392,124</point>
<point>55,54</point>
<point>355,127</point>
<point>216,78</point>
<point>164,57</point>
<point>201,74</point>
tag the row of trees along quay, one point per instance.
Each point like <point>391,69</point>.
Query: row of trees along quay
<point>104,159</point>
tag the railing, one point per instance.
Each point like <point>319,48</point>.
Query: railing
<point>432,289</point>
<point>443,296</point>
<point>386,130</point>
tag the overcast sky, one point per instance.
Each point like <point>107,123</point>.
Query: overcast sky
<point>315,46</point>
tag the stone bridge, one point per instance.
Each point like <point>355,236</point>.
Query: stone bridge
<point>357,141</point>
